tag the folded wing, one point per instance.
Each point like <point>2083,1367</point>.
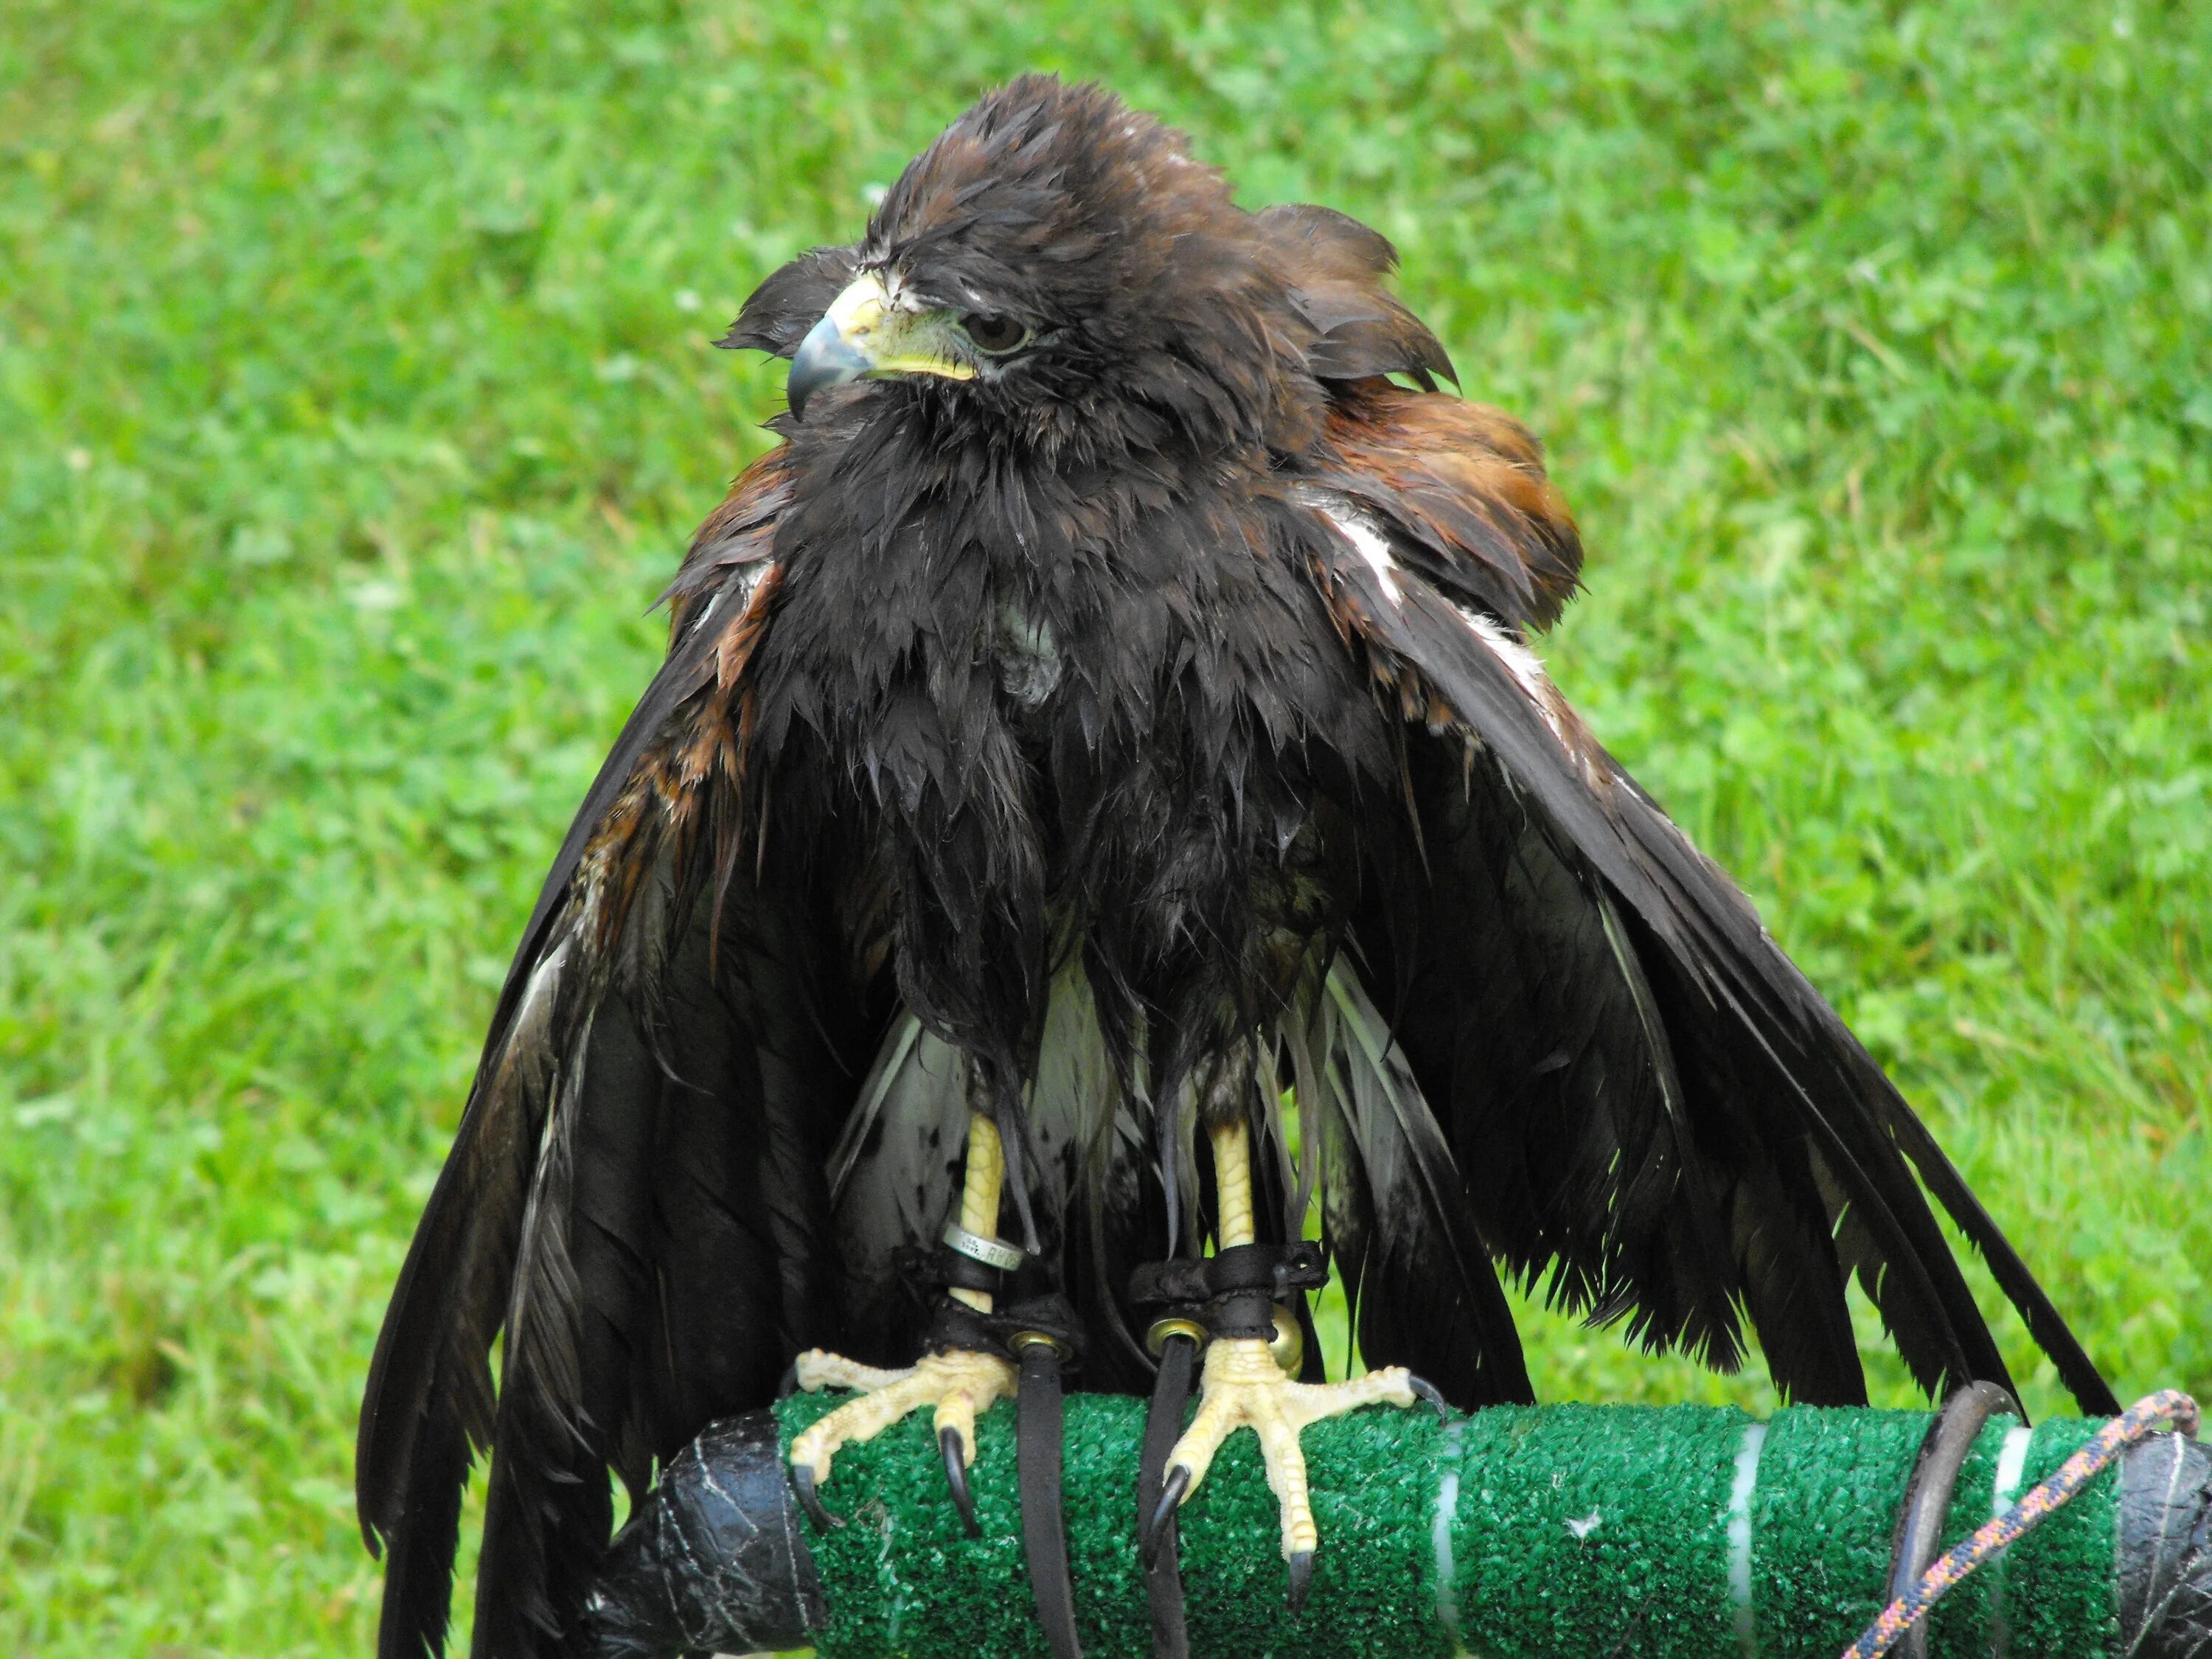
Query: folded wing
<point>635,1200</point>
<point>1647,1100</point>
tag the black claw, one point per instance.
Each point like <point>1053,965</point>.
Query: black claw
<point>1301,1579</point>
<point>1425,1390</point>
<point>802,1483</point>
<point>789,1385</point>
<point>956,1476</point>
<point>1155,1525</point>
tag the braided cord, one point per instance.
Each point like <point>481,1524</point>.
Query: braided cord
<point>2169,1408</point>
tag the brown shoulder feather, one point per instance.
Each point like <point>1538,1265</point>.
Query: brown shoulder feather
<point>1464,486</point>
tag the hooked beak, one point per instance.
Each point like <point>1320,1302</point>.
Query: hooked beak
<point>866,331</point>
<point>827,356</point>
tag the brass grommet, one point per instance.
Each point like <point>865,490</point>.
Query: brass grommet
<point>1021,1341</point>
<point>1289,1345</point>
<point>1156,1339</point>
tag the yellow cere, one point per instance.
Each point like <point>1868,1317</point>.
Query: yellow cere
<point>895,339</point>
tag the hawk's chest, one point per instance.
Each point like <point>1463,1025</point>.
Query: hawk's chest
<point>1046,702</point>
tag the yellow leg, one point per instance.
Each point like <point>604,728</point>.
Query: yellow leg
<point>960,1385</point>
<point>1232,1184</point>
<point>979,1192</point>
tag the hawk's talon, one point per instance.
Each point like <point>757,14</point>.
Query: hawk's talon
<point>1172,1490</point>
<point>1244,1387</point>
<point>956,1477</point>
<point>957,1382</point>
<point>802,1483</point>
<point>787,1385</point>
<point>1427,1390</point>
<point>1301,1567</point>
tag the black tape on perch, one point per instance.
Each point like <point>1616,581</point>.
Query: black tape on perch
<point>1566,1532</point>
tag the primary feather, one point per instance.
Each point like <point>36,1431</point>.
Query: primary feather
<point>1135,724</point>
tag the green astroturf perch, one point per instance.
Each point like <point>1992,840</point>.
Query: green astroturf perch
<point>1565,1532</point>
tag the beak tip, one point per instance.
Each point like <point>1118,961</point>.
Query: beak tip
<point>824,358</point>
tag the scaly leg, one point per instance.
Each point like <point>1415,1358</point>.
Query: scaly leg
<point>1242,1387</point>
<point>958,1383</point>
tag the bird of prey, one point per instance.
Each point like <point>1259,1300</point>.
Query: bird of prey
<point>1107,715</point>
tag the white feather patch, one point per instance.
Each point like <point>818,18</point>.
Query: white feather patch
<point>1537,685</point>
<point>535,1008</point>
<point>1357,526</point>
<point>1520,662</point>
<point>740,584</point>
<point>526,1056</point>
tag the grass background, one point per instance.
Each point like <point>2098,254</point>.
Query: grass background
<point>355,401</point>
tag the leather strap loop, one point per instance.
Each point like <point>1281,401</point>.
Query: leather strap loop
<point>1050,1317</point>
<point>954,1324</point>
<point>1275,1270</point>
<point>1249,1314</point>
<point>1047,1319</point>
<point>1234,1292</point>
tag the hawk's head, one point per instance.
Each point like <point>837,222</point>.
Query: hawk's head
<point>1055,267</point>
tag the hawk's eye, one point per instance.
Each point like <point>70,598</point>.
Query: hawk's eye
<point>993,334</point>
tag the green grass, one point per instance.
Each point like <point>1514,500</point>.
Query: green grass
<point>355,401</point>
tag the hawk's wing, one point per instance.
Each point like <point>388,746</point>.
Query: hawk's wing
<point>1643,1094</point>
<point>635,1195</point>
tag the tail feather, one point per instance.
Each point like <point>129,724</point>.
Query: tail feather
<point>428,1401</point>
<point>548,1508</point>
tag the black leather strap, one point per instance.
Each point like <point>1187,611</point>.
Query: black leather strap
<point>1274,1269</point>
<point>1036,1463</point>
<point>1163,1428</point>
<point>1233,1292</point>
<point>954,1325</point>
<point>1928,1495</point>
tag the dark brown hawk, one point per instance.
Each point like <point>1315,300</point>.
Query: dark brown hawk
<point>1108,713</point>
